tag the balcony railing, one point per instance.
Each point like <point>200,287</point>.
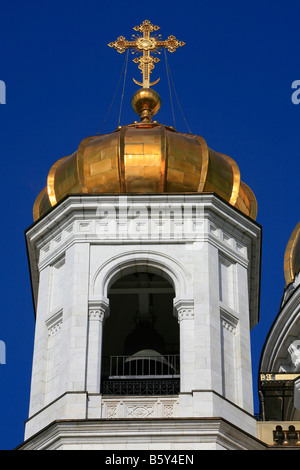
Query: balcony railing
<point>141,374</point>
<point>140,387</point>
<point>142,366</point>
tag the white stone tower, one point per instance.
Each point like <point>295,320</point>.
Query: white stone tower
<point>145,267</point>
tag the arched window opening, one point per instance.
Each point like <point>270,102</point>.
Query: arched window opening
<point>140,349</point>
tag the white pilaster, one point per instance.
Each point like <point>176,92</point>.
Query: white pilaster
<point>185,312</point>
<point>39,365</point>
<point>97,312</point>
<point>76,311</point>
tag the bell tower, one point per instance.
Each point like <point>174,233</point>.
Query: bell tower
<point>145,266</point>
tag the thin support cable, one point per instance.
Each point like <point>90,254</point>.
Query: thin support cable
<point>123,87</point>
<point>170,89</point>
<point>113,98</point>
<point>177,96</point>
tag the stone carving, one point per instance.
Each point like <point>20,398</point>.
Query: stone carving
<point>54,323</point>
<point>294,351</point>
<point>184,309</point>
<point>98,310</point>
<point>185,314</point>
<point>139,411</point>
<point>144,408</point>
<point>55,328</point>
<point>96,314</point>
<point>228,326</point>
<point>168,410</point>
<point>111,411</point>
<point>228,321</point>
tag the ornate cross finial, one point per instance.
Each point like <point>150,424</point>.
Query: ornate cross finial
<point>146,44</point>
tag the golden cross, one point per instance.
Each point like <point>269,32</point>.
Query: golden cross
<point>146,44</point>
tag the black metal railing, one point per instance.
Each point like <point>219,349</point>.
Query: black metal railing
<point>142,365</point>
<point>141,374</point>
<point>141,387</point>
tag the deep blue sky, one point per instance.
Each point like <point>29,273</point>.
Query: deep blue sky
<point>233,80</point>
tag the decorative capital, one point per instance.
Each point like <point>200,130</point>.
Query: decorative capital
<point>185,314</point>
<point>98,310</point>
<point>96,314</point>
<point>184,309</point>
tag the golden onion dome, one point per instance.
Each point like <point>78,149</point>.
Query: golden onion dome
<point>292,256</point>
<point>145,157</point>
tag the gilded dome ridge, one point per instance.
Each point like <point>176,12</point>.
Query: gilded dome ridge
<point>51,181</point>
<point>236,179</point>
<point>204,163</point>
<point>150,158</point>
<point>41,205</point>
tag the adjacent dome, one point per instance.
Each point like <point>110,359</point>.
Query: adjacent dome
<point>145,157</point>
<point>292,256</point>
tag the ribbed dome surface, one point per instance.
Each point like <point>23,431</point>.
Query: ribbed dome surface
<point>145,158</point>
<point>292,256</point>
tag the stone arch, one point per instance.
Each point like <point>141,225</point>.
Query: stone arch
<point>141,261</point>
